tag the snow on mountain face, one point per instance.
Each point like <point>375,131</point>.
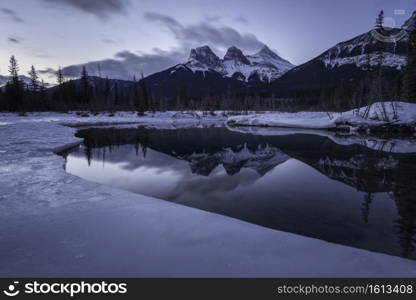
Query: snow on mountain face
<point>410,24</point>
<point>265,65</point>
<point>365,48</point>
<point>348,61</point>
<point>203,58</point>
<point>235,54</point>
<point>268,64</point>
<point>361,61</point>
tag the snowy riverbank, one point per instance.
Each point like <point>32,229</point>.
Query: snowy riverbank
<point>85,118</point>
<point>56,224</point>
<point>376,115</point>
<point>390,145</point>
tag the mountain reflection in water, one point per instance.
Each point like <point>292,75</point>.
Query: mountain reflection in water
<point>300,183</point>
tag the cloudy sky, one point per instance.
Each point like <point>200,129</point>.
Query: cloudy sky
<point>127,37</point>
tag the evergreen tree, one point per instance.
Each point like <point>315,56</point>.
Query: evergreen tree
<point>60,77</point>
<point>107,94</point>
<point>86,89</point>
<point>183,97</point>
<point>144,95</point>
<point>70,91</point>
<point>409,76</point>
<point>14,88</point>
<point>13,68</point>
<point>42,91</point>
<point>60,96</point>
<point>138,102</point>
<point>116,94</point>
<point>380,20</point>
<point>34,80</point>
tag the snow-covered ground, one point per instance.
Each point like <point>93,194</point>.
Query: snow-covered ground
<point>84,118</point>
<point>397,113</point>
<point>56,224</point>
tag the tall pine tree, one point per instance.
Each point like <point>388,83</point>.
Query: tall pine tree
<point>14,88</point>
<point>60,77</point>
<point>380,20</point>
<point>86,89</point>
<point>107,94</point>
<point>60,80</point>
<point>144,96</point>
<point>34,80</point>
<point>13,68</point>
<point>137,100</point>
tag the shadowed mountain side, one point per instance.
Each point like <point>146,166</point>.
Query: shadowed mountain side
<point>180,82</point>
<point>350,61</point>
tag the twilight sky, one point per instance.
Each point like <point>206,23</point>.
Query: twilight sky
<point>127,37</point>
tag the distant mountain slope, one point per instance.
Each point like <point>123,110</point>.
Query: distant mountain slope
<point>5,79</point>
<point>347,61</point>
<point>182,81</point>
<point>98,83</point>
<point>205,74</point>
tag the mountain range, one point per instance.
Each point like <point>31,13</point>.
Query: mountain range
<point>263,66</point>
<point>205,74</point>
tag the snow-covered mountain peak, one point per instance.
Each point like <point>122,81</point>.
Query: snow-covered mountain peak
<point>204,57</point>
<point>264,66</point>
<point>410,24</point>
<point>268,64</point>
<point>233,53</point>
<point>267,52</point>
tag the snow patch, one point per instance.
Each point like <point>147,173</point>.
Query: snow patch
<point>361,61</point>
<point>380,113</point>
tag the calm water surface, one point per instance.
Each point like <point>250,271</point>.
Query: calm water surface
<point>300,183</point>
